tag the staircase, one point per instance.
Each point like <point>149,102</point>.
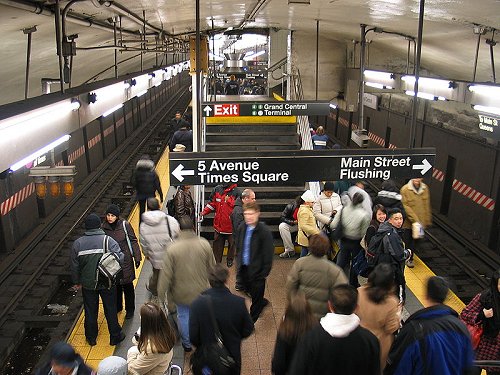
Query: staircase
<point>244,134</point>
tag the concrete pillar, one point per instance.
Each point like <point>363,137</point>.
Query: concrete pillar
<point>332,57</point>
<point>278,50</point>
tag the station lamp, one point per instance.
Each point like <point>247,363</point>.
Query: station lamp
<point>53,176</point>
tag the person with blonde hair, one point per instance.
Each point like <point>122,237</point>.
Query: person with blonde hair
<point>155,341</point>
<point>320,139</point>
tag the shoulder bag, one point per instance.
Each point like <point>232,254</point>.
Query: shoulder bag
<point>212,358</point>
<point>109,265</point>
<point>128,239</point>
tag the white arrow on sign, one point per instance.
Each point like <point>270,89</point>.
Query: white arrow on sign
<point>207,110</point>
<point>425,166</point>
<point>178,172</point>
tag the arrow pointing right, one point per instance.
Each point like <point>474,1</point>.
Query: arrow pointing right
<point>179,173</point>
<point>207,110</point>
<point>425,166</point>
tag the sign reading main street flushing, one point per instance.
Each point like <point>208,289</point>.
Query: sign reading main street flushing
<point>296,167</point>
<point>302,108</point>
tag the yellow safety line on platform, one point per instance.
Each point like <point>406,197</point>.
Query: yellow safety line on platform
<point>416,279</point>
<point>251,120</point>
<point>93,355</point>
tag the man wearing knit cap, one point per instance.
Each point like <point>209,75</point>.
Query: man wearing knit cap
<point>85,256</point>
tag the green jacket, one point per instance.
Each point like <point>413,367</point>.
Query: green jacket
<point>85,255</point>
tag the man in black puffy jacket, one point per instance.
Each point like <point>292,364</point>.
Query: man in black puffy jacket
<point>146,182</point>
<point>288,226</point>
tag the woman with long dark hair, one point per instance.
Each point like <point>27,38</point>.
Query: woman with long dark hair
<point>154,343</point>
<point>484,309</point>
<point>379,309</point>
<point>122,232</point>
<point>378,217</point>
<point>298,320</point>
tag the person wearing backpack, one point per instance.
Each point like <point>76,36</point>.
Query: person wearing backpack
<point>86,255</point>
<point>122,232</point>
<point>183,203</point>
<point>388,247</point>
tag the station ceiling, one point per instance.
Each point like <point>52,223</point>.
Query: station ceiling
<point>449,42</point>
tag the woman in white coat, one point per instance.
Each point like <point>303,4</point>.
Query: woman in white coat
<point>327,208</point>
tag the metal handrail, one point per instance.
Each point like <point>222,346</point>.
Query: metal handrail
<point>297,93</point>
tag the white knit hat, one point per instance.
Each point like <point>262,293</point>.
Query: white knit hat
<point>308,196</point>
<point>112,365</point>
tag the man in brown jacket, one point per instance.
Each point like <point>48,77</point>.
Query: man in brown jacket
<point>417,204</point>
<point>185,274</point>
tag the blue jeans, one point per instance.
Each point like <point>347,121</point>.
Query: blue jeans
<point>304,251</point>
<point>183,319</point>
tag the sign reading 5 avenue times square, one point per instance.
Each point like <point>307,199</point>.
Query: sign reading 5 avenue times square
<point>284,168</point>
<point>302,108</point>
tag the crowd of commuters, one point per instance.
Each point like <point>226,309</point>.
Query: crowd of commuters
<point>331,323</point>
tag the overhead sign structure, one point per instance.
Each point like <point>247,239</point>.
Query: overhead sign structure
<point>489,125</point>
<point>302,108</point>
<point>296,167</point>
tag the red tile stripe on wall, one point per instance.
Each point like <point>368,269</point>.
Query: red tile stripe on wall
<point>17,198</point>
<point>76,154</point>
<point>94,141</point>
<point>109,130</point>
<point>460,187</point>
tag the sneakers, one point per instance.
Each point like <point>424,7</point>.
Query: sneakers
<point>118,340</point>
<point>288,254</point>
<point>229,262</point>
<point>187,349</point>
<point>409,263</point>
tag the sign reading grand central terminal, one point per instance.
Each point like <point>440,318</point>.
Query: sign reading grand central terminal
<point>296,167</point>
<point>302,108</point>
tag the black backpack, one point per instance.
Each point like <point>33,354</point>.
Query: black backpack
<point>171,207</point>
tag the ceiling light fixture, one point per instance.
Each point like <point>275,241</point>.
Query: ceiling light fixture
<point>430,82</point>
<point>110,111</point>
<point>141,93</point>
<point>378,86</point>
<point>425,95</point>
<point>378,75</point>
<point>40,152</point>
<point>491,110</point>
<point>485,90</point>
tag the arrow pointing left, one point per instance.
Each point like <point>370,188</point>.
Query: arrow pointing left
<point>425,166</point>
<point>207,110</point>
<point>179,173</point>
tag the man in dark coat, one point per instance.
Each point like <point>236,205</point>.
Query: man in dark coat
<point>237,219</point>
<point>338,345</point>
<point>255,257</point>
<point>232,86</point>
<point>146,182</point>
<point>178,122</point>
<point>85,256</point>
<point>184,137</point>
<point>433,340</point>
<point>64,360</point>
<point>230,313</point>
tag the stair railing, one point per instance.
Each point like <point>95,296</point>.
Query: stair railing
<point>303,124</point>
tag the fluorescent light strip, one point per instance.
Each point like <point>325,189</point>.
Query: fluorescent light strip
<point>332,106</point>
<point>141,93</point>
<point>378,75</point>
<point>485,90</point>
<point>250,57</point>
<point>378,86</point>
<point>40,152</point>
<point>425,95</point>
<point>110,111</point>
<point>492,110</point>
<point>428,82</point>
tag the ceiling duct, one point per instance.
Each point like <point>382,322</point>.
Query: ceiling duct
<point>234,63</point>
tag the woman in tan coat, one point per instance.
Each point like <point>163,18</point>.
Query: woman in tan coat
<point>155,342</point>
<point>306,222</point>
<point>379,309</point>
